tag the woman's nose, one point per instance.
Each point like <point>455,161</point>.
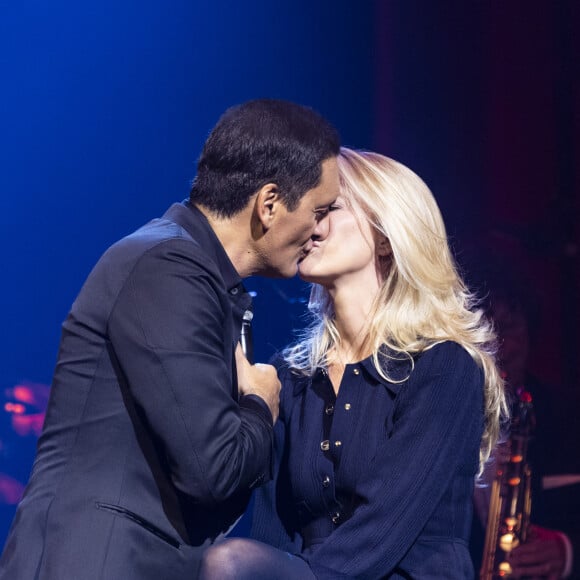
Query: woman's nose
<point>321,229</point>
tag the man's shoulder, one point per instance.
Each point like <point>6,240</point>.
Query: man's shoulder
<point>155,232</point>
<point>158,237</point>
<point>158,247</point>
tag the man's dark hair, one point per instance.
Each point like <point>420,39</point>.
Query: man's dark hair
<point>259,142</point>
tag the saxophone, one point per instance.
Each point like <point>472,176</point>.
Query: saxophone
<point>511,498</point>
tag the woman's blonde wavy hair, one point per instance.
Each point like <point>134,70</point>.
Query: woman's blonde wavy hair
<point>423,300</point>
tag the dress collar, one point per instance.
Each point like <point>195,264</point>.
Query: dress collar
<point>396,366</point>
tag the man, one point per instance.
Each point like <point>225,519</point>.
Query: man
<point>147,454</point>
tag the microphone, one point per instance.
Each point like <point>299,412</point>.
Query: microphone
<point>246,336</point>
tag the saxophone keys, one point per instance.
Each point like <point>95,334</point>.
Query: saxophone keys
<point>508,542</point>
<point>504,570</point>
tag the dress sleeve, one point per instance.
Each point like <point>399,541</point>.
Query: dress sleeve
<point>439,412</point>
<point>167,334</point>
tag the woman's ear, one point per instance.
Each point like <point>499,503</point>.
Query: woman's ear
<point>383,246</point>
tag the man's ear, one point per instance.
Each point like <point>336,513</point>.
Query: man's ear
<point>266,205</point>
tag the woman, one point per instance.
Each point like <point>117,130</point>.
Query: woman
<point>390,403</point>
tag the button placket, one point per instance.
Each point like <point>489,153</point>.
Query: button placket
<point>343,410</point>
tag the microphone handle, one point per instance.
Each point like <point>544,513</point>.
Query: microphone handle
<point>246,340</point>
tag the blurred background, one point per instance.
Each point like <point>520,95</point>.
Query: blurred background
<point>104,108</point>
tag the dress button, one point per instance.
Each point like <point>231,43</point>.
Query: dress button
<point>234,290</point>
<point>356,371</point>
<point>347,406</point>
<point>337,443</point>
<point>329,409</point>
<point>325,445</point>
<point>335,517</point>
<point>325,481</point>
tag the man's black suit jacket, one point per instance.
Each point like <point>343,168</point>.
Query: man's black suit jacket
<point>146,455</point>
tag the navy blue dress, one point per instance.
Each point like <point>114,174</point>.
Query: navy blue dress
<point>377,482</point>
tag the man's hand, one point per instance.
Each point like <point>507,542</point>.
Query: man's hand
<point>259,379</point>
<point>542,556</point>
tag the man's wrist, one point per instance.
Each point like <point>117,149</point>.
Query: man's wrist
<point>256,404</point>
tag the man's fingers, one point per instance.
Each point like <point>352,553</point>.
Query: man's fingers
<point>240,357</point>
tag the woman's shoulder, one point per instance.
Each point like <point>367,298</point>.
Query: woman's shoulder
<point>447,350</point>
<point>444,375</point>
<point>448,358</point>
